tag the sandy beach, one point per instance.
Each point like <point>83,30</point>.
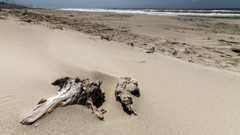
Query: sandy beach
<point>188,85</point>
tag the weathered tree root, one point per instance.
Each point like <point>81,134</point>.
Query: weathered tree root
<point>72,91</point>
<point>125,87</point>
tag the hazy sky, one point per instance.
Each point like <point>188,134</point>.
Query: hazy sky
<point>133,3</point>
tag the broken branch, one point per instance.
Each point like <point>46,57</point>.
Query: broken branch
<point>125,87</point>
<point>72,91</point>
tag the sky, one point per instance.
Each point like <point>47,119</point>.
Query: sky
<point>190,4</point>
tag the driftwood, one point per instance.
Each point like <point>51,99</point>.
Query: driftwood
<point>150,49</point>
<point>106,37</point>
<point>228,42</point>
<point>72,91</point>
<point>125,87</point>
<point>236,49</point>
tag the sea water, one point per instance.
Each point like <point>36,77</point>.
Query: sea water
<point>212,13</point>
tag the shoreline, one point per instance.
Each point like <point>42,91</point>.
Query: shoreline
<point>205,13</point>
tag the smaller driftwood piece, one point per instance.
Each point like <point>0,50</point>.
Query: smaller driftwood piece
<point>124,89</point>
<point>72,91</point>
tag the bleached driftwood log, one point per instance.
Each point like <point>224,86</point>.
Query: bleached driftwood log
<point>125,87</point>
<point>72,91</point>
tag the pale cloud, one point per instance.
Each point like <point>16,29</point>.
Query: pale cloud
<point>165,2</point>
<point>146,3</point>
<point>206,1</point>
<point>195,1</point>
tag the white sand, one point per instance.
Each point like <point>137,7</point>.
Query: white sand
<point>176,97</point>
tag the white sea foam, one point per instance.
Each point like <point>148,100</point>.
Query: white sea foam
<point>167,12</point>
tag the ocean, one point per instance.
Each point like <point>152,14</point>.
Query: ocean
<point>212,13</point>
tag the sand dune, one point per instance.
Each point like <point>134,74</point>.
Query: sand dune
<point>205,41</point>
<point>176,97</point>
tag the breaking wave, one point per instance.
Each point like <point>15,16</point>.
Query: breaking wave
<point>217,13</point>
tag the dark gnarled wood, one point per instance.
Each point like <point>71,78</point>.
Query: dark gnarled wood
<point>125,87</point>
<point>72,91</point>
